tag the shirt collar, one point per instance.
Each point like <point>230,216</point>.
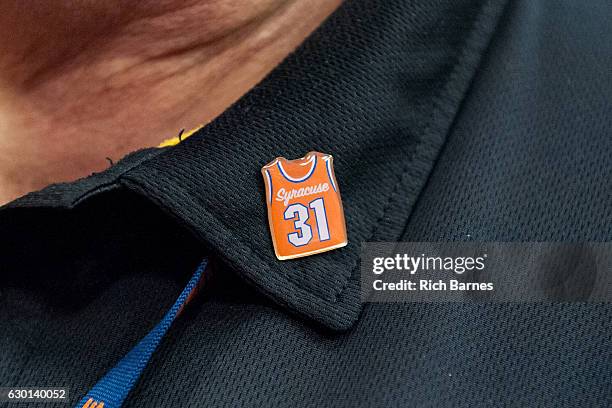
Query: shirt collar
<point>377,86</point>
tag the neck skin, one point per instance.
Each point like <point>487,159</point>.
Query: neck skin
<point>77,86</point>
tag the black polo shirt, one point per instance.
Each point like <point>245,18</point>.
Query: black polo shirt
<point>447,120</point>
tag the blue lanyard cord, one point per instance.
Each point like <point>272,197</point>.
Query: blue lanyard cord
<point>114,387</point>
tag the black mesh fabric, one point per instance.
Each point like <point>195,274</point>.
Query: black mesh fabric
<point>447,121</point>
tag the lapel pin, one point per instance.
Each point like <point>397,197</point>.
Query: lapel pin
<point>304,206</point>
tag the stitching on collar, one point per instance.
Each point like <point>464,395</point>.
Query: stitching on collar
<point>445,107</point>
<point>472,48</point>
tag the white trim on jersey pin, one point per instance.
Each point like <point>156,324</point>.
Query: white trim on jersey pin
<point>305,211</point>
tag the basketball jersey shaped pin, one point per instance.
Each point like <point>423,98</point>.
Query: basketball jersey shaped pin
<point>304,206</point>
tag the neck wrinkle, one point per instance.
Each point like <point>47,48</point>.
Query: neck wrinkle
<point>133,82</point>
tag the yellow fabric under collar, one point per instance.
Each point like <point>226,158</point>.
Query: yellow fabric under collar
<point>176,140</point>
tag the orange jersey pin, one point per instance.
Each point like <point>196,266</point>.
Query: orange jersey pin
<point>304,206</point>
